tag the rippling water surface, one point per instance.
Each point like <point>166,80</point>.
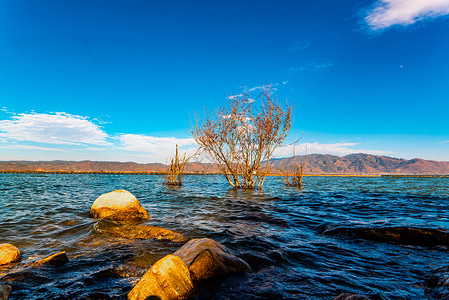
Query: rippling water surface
<point>278,231</point>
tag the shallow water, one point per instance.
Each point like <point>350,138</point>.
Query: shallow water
<point>278,231</point>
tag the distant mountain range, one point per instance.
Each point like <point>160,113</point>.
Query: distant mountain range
<point>316,164</point>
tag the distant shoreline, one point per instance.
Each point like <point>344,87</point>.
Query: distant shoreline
<point>208,173</point>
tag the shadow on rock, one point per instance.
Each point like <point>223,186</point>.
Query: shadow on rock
<point>426,237</point>
<point>207,258</point>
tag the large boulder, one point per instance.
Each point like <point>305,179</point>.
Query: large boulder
<point>5,290</point>
<point>118,205</point>
<point>8,254</point>
<point>207,258</point>
<point>169,278</point>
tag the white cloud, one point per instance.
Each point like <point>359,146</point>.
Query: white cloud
<point>157,148</point>
<point>339,149</point>
<point>234,97</point>
<point>387,13</point>
<point>310,67</point>
<point>58,128</point>
<point>28,147</point>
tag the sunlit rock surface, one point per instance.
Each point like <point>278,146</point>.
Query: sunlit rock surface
<point>118,205</point>
<point>8,254</point>
<point>207,258</point>
<point>55,259</point>
<point>5,290</point>
<point>135,231</point>
<point>169,278</point>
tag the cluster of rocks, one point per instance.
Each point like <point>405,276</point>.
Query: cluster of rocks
<point>173,276</point>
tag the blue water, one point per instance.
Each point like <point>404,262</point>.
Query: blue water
<point>278,231</point>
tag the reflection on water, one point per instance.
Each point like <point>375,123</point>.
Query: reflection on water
<point>278,231</point>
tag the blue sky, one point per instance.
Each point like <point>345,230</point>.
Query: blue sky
<point>121,80</point>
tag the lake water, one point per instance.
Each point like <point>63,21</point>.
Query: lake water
<point>278,231</point>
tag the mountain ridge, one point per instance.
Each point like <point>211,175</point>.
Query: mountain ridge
<point>316,164</point>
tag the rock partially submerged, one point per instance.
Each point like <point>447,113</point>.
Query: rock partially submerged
<point>427,237</point>
<point>8,254</point>
<point>118,205</point>
<point>207,258</point>
<point>130,231</point>
<point>5,291</point>
<point>55,259</point>
<point>346,296</point>
<point>169,278</point>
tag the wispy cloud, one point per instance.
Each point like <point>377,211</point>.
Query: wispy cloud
<point>157,148</point>
<point>387,13</point>
<point>27,147</point>
<point>57,128</point>
<point>334,149</point>
<point>310,67</point>
<point>299,45</point>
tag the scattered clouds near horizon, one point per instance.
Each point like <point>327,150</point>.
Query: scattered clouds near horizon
<point>157,148</point>
<point>58,128</point>
<point>387,13</point>
<point>339,149</point>
<point>73,137</point>
<point>310,67</point>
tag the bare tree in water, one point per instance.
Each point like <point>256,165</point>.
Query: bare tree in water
<point>292,175</point>
<point>176,168</point>
<point>242,136</point>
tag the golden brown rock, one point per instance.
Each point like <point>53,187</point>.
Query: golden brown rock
<point>8,254</point>
<point>144,232</point>
<point>55,259</point>
<point>207,258</point>
<point>118,205</point>
<point>168,279</point>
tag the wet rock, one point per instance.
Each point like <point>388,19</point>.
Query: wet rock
<point>55,259</point>
<point>427,237</point>
<point>129,231</point>
<point>98,296</point>
<point>169,278</point>
<point>207,258</point>
<point>437,284</point>
<point>346,296</point>
<point>5,290</point>
<point>8,254</point>
<point>118,205</point>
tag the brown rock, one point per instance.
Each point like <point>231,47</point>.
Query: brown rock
<point>5,290</point>
<point>169,278</point>
<point>118,205</point>
<point>144,232</point>
<point>55,259</point>
<point>207,258</point>
<point>8,254</point>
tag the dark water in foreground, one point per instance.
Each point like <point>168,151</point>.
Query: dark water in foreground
<point>278,231</point>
